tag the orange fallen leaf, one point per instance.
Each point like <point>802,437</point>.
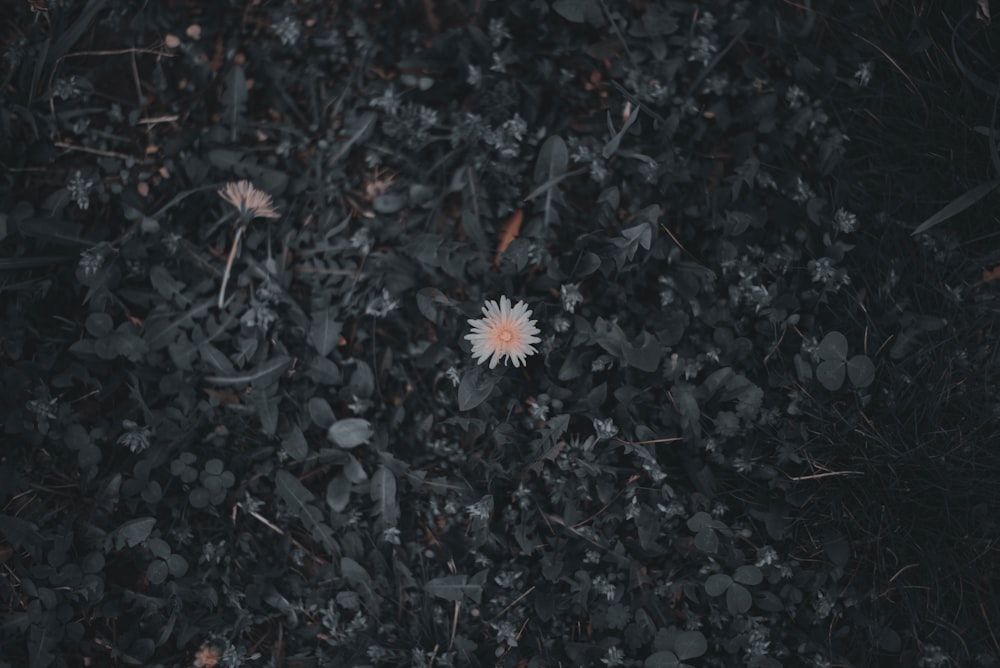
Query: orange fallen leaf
<point>508,232</point>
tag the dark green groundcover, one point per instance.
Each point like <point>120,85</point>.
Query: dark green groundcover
<point>240,246</point>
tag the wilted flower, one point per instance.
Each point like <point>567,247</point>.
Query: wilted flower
<point>864,73</point>
<point>570,295</point>
<point>481,509</point>
<point>605,428</point>
<point>135,438</point>
<point>504,332</point>
<point>252,203</point>
<point>382,305</point>
<point>844,221</point>
<point>79,189</point>
<point>288,30</point>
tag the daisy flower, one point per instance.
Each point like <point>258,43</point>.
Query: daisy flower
<point>252,203</point>
<point>504,332</point>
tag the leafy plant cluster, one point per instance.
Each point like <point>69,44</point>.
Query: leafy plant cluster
<point>757,430</point>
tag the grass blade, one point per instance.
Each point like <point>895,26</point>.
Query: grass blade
<point>958,205</point>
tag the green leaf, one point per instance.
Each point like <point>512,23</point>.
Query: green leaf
<point>295,444</point>
<point>702,520</point>
<point>706,541</point>
<point>134,532</point>
<point>199,497</point>
<point>292,492</point>
<point>312,518</point>
<point>831,374</point>
<point>833,347</point>
<point>664,659</point>
<point>453,588</point>
<point>553,158</point>
<point>645,357</point>
<point>612,146</point>
<point>69,36</point>
<point>216,359</point>
<point>889,641</point>
<point>578,11</point>
<point>354,471</point>
<point>355,573</point>
<point>362,382</point>
<point>234,99</point>
<point>769,602</point>
<point>550,169</point>
<point>717,583</point>
<point>861,370</point>
<point>338,493</point>
<point>324,334</point>
<point>99,325</point>
<point>320,412</point>
<point>738,599</point>
<point>475,388</point>
<point>324,371</point>
<point>265,401</point>
<point>350,432</point>
<point>383,493</point>
<point>390,202</point>
<point>157,571</point>
<point>690,644</point>
<point>159,328</point>
<point>429,301</point>
<point>157,547</point>
<point>837,548</point>
<point>748,575</point>
<point>169,288</point>
<point>471,215</point>
<point>177,565</point>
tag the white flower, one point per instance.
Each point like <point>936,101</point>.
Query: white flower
<point>249,200</point>
<point>504,332</point>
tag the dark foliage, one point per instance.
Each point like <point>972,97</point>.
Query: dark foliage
<point>760,425</point>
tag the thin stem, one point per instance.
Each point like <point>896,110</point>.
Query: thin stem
<point>229,264</point>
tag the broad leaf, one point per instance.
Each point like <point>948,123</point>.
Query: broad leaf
<point>324,333</point>
<point>578,11</point>
<point>338,493</point>
<point>350,432</point>
<point>833,347</point>
<point>738,599</point>
<point>475,388</point>
<point>831,374</point>
<point>134,532</point>
<point>716,584</point>
<point>550,169</point>
<point>664,659</point>
<point>861,371</point>
<point>383,493</point>
<point>292,492</point>
<point>748,575</point>
<point>690,644</point>
<point>295,444</point>
<point>320,412</point>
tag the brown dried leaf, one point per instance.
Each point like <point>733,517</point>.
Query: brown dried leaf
<point>508,232</point>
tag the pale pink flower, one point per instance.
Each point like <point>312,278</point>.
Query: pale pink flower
<point>250,201</point>
<point>504,332</point>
